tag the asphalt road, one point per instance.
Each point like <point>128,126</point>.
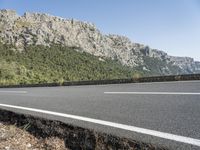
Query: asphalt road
<point>166,114</point>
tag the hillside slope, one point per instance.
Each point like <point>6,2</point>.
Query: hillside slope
<point>34,29</point>
<point>41,64</point>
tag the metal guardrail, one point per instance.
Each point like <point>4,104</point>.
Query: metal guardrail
<point>114,81</point>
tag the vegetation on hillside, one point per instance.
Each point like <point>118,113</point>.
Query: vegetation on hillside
<point>41,64</point>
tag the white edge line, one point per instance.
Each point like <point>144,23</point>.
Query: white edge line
<point>159,134</point>
<point>20,92</point>
<point>153,93</point>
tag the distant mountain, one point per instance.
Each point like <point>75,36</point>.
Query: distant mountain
<point>34,29</point>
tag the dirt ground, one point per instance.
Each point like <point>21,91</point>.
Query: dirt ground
<point>24,132</point>
<point>13,138</point>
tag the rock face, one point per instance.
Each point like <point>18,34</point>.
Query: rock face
<point>44,29</point>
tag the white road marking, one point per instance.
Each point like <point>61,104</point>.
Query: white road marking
<point>153,93</point>
<point>159,134</point>
<point>20,92</point>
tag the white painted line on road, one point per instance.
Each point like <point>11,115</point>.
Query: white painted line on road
<point>159,134</point>
<point>18,92</point>
<point>153,93</point>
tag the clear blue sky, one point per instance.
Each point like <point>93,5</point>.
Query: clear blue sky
<point>170,25</point>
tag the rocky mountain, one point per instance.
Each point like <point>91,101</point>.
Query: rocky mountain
<point>44,29</point>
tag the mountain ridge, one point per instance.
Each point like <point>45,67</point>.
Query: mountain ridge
<point>45,29</point>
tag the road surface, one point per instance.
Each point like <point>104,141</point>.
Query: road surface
<point>166,113</point>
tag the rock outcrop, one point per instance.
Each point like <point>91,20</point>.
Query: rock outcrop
<point>44,29</point>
